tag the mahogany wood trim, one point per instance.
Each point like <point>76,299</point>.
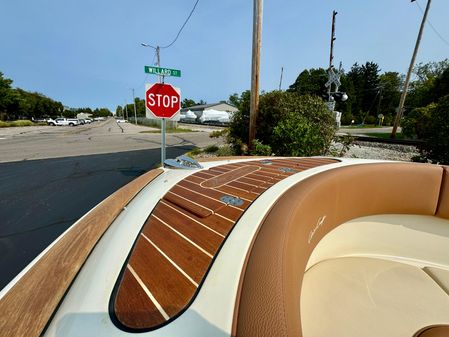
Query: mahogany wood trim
<point>29,304</point>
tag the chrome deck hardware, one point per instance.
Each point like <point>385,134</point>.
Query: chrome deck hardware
<point>230,200</point>
<point>182,162</point>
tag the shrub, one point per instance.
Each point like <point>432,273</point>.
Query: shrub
<point>415,122</point>
<point>370,120</point>
<point>261,149</point>
<point>284,119</point>
<point>19,122</point>
<point>435,133</point>
<point>211,149</point>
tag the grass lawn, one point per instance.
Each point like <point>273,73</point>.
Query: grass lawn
<point>364,126</point>
<point>385,135</point>
<point>19,123</point>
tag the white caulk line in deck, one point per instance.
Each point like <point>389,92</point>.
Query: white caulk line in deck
<point>189,217</point>
<point>195,203</point>
<point>204,172</point>
<point>226,193</point>
<point>170,260</point>
<point>209,197</point>
<point>258,184</point>
<point>183,236</point>
<point>230,181</point>
<point>259,181</point>
<point>232,194</point>
<point>271,176</point>
<point>240,189</point>
<point>220,169</point>
<point>149,294</point>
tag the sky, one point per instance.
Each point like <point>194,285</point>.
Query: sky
<point>88,53</point>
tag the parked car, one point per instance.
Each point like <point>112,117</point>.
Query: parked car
<point>121,120</point>
<point>63,122</point>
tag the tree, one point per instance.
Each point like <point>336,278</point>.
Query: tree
<point>430,85</point>
<point>390,84</point>
<point>310,82</point>
<point>9,99</point>
<point>119,111</point>
<point>241,101</point>
<point>187,102</point>
<point>435,133</point>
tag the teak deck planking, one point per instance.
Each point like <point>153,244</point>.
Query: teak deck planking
<point>183,234</point>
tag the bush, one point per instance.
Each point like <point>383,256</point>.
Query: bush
<point>284,120</point>
<point>23,122</point>
<point>370,120</point>
<point>435,133</point>
<point>415,122</point>
<point>211,149</point>
<point>260,149</point>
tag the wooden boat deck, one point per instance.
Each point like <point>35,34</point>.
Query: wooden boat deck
<point>183,234</point>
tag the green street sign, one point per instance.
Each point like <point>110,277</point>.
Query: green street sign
<point>162,71</point>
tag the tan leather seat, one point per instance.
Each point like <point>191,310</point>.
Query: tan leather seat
<point>270,291</point>
<point>434,331</point>
<point>443,205</point>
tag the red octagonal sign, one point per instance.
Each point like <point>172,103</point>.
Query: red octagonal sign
<point>162,100</point>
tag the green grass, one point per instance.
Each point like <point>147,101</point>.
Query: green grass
<point>385,135</point>
<point>17,123</point>
<point>364,126</point>
<point>178,130</point>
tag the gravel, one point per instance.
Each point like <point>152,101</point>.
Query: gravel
<point>367,150</point>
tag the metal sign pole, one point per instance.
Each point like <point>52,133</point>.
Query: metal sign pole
<point>163,124</point>
<point>163,141</point>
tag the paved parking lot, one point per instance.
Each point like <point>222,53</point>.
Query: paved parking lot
<point>38,142</point>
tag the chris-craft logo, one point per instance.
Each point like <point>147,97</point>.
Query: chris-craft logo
<point>318,225</point>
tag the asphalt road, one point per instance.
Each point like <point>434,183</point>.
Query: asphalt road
<point>41,198</point>
<point>51,176</point>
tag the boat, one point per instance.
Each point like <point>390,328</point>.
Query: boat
<point>248,246</point>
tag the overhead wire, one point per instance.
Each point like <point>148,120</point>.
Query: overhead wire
<point>182,27</point>
<point>174,40</point>
<point>431,26</point>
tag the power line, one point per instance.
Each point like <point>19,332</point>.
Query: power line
<point>431,26</point>
<point>182,27</point>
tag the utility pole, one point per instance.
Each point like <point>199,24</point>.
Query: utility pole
<point>135,111</point>
<point>126,109</point>
<point>280,82</point>
<point>331,56</point>
<point>255,70</point>
<point>409,73</point>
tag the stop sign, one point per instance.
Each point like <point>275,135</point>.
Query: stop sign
<point>162,100</point>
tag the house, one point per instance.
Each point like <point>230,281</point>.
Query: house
<point>199,109</point>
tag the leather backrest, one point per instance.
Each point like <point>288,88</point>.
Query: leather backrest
<point>443,205</point>
<point>270,290</point>
<point>434,331</point>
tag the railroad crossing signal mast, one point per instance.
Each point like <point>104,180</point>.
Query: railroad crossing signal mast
<point>334,75</point>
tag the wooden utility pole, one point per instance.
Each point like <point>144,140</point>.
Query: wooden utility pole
<point>135,110</point>
<point>255,70</point>
<point>331,57</point>
<point>409,73</point>
<point>280,82</point>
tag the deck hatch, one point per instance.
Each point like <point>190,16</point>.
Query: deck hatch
<point>180,239</point>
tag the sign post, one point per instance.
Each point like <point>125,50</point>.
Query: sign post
<point>162,101</point>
